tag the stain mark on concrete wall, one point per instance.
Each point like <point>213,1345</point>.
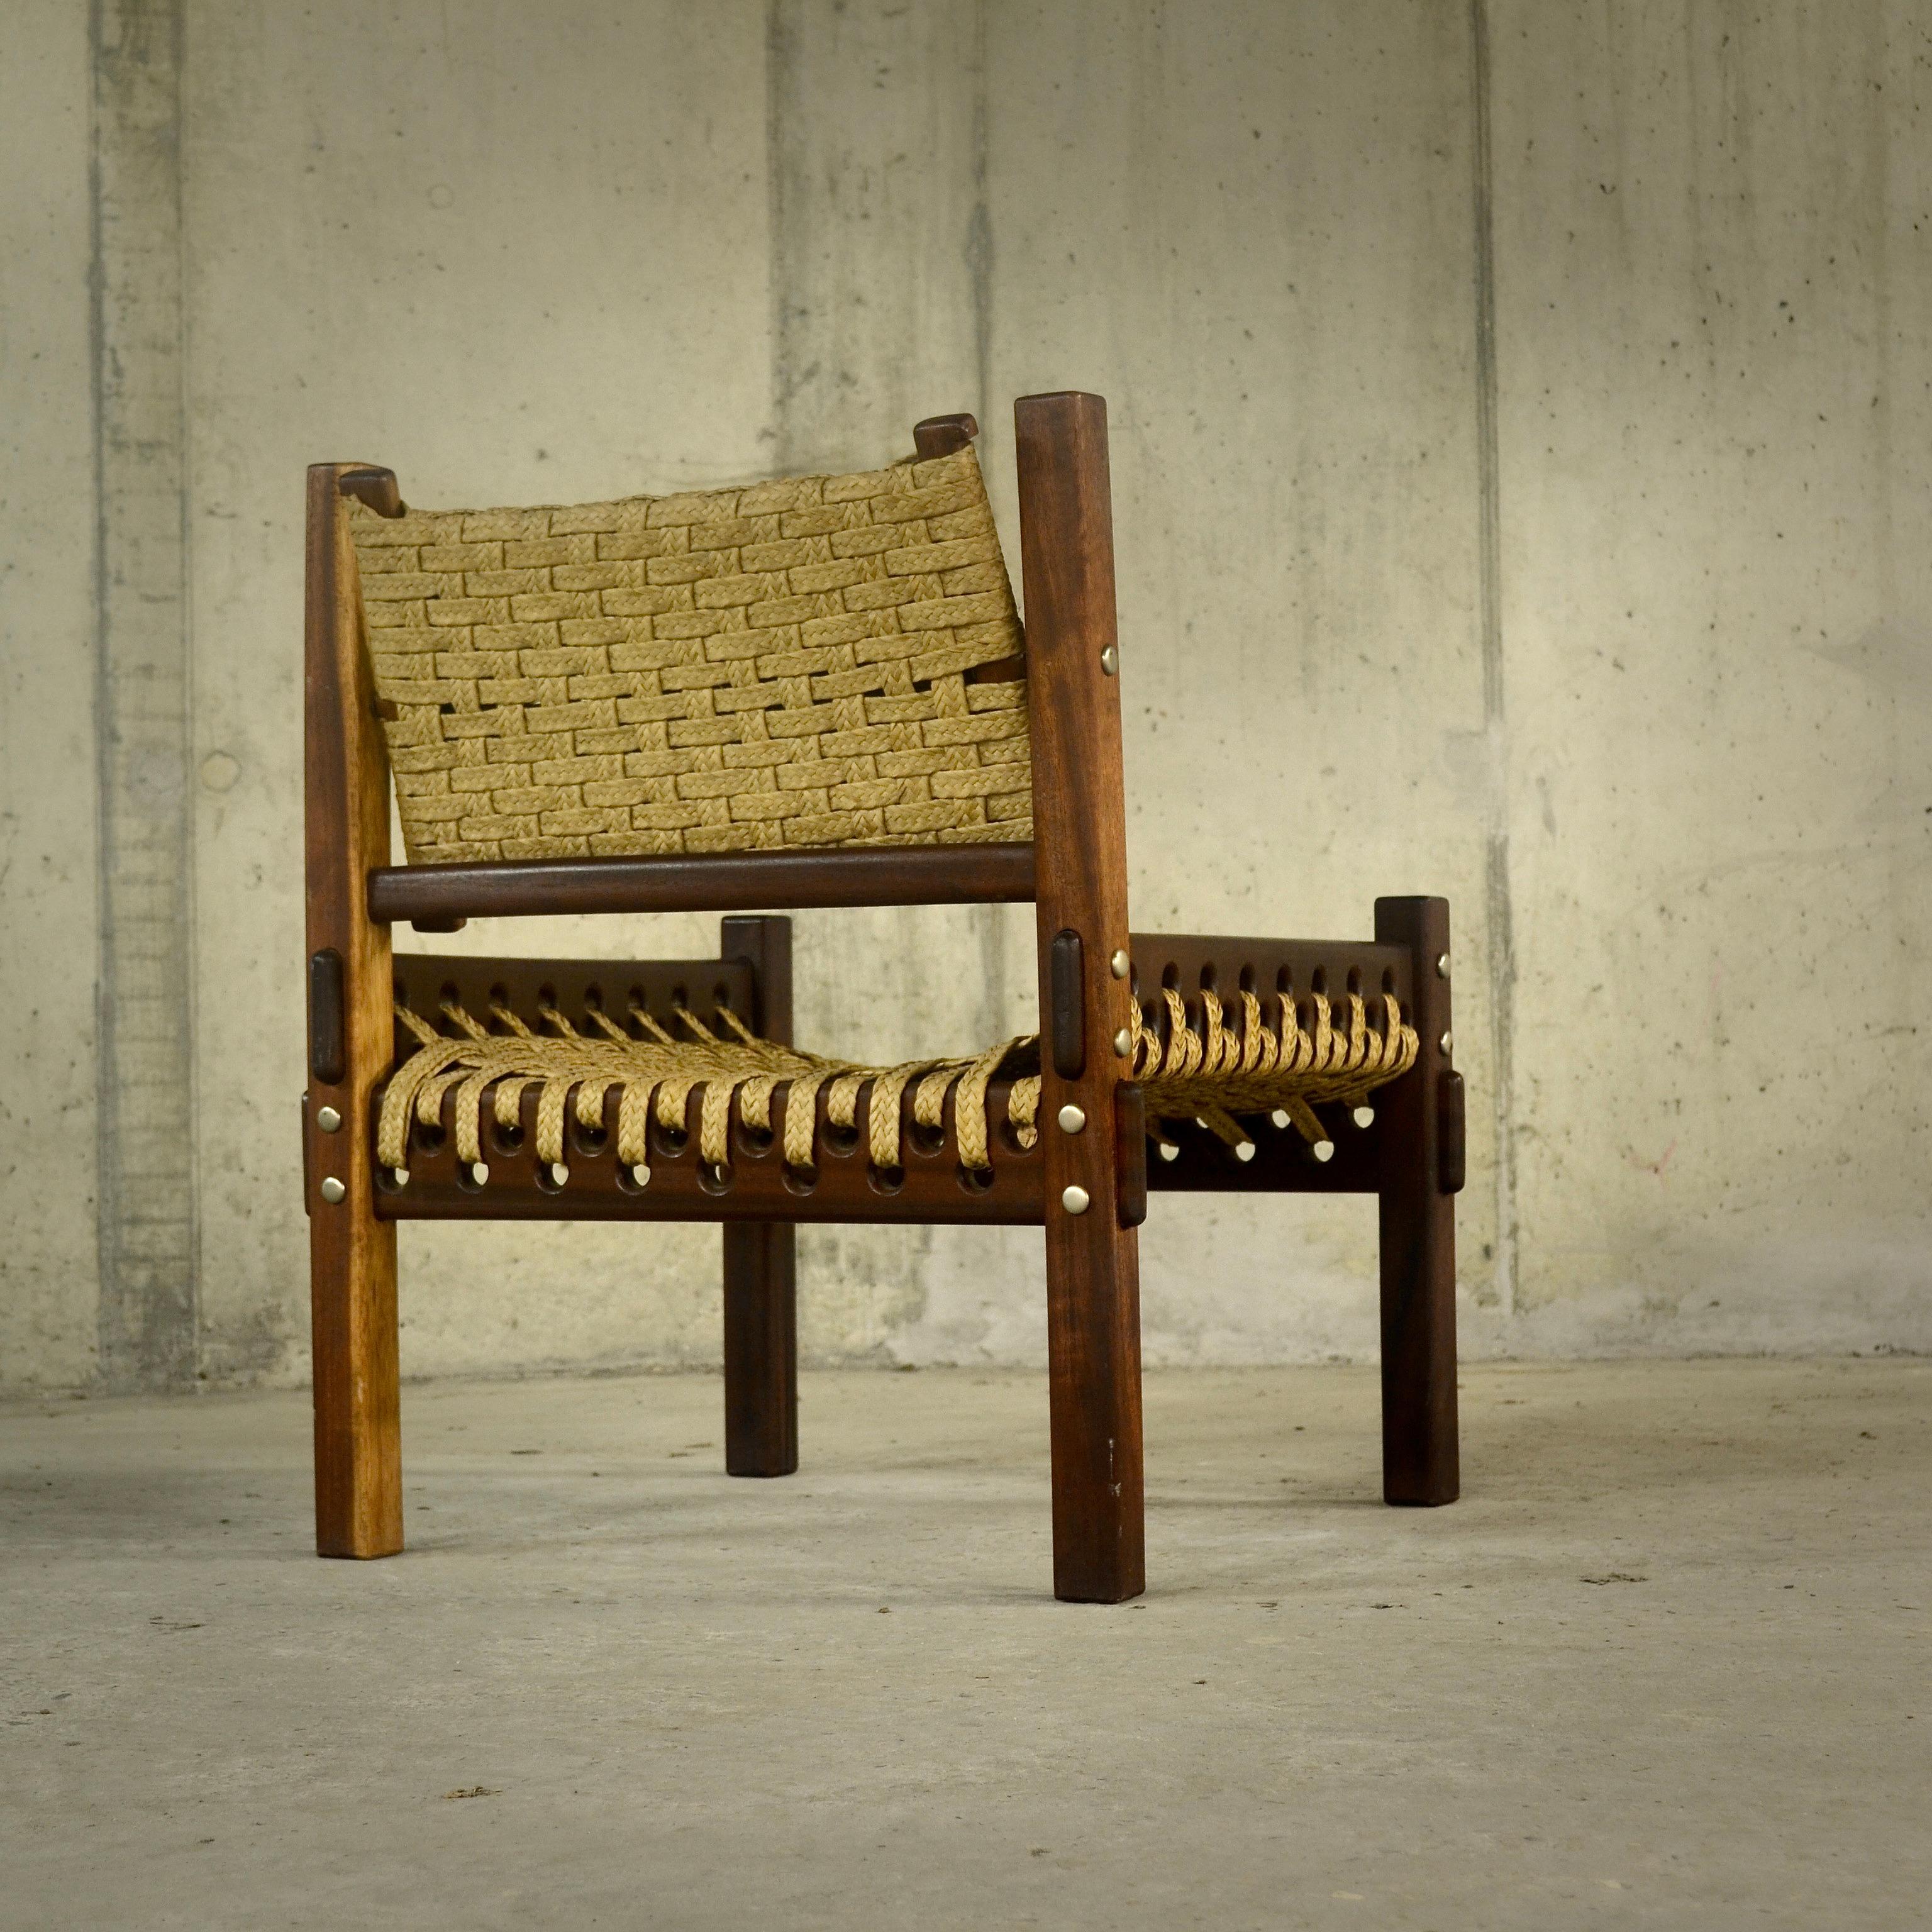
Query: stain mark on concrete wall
<point>1496,881</point>
<point>147,1208</point>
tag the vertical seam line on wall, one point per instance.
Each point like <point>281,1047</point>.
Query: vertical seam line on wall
<point>992,920</point>
<point>190,870</point>
<point>979,230</point>
<point>1496,862</point>
<point>104,963</point>
<point>778,53</point>
<point>145,1209</point>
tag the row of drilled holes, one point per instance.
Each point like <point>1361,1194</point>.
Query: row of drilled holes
<point>1249,981</point>
<point>670,1144</point>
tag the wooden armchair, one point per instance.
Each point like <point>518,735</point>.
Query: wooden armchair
<point>808,693</point>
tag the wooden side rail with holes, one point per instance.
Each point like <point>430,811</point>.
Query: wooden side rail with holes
<point>1079,1159</point>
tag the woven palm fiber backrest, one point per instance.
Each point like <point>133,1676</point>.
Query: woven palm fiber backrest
<point>823,661</point>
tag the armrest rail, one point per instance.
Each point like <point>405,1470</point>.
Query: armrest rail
<point>853,875</point>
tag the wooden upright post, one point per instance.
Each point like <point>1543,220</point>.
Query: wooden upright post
<point>358,1498</point>
<point>760,1263</point>
<point>1420,1463</point>
<point>1092,1278</point>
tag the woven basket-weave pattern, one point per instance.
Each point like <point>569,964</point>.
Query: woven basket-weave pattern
<point>781,665</point>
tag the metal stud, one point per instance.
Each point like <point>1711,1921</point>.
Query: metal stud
<point>1120,964</point>
<point>1124,1043</point>
<point>328,1119</point>
<point>1110,661</point>
<point>1076,1201</point>
<point>1072,1119</point>
<point>1447,1041</point>
<point>333,1191</point>
<point>1441,965</point>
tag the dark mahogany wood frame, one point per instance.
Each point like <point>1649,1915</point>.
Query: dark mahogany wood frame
<point>1407,1150</point>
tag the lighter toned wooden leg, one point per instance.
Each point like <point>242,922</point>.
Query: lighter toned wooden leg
<point>359,1483</point>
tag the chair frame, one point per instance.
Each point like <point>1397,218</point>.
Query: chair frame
<point>1409,1154</point>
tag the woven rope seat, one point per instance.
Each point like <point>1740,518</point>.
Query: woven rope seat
<point>821,661</point>
<point>1212,1075</point>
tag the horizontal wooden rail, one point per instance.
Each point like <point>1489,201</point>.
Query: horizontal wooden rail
<point>723,882</point>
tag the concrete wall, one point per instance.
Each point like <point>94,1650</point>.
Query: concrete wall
<point>1520,415</point>
<point>49,1273</point>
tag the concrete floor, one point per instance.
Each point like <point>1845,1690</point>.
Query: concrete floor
<point>1664,1665</point>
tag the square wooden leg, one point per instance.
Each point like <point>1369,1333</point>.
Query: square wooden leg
<point>761,1258</point>
<point>1421,1460</point>
<point>761,1349</point>
<point>1094,1351</point>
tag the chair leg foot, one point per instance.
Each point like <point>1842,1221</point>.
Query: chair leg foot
<point>1094,1346</point>
<point>1421,1459</point>
<point>761,1349</point>
<point>358,1484</point>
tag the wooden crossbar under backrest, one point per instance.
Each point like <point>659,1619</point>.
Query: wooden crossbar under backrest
<point>823,661</point>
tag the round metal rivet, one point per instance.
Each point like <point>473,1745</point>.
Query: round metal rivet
<point>1364,1117</point>
<point>641,1174</point>
<point>1110,661</point>
<point>333,1191</point>
<point>1120,964</point>
<point>328,1120</point>
<point>1124,1043</point>
<point>1324,1149</point>
<point>1075,1201</point>
<point>1441,965</point>
<point>1447,1041</point>
<point>1072,1119</point>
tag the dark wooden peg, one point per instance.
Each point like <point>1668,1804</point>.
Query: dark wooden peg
<point>1452,1138</point>
<point>326,1056</point>
<point>1130,1163</point>
<point>1069,1026</point>
<point>944,435</point>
